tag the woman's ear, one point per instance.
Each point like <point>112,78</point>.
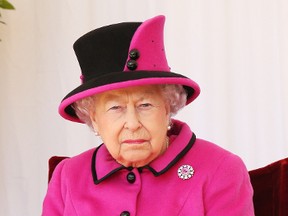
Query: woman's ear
<point>94,121</point>
<point>95,126</point>
<point>168,116</point>
<point>168,111</point>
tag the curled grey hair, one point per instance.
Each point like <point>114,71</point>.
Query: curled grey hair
<point>174,94</point>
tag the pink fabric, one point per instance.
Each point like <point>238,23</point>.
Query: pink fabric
<point>148,39</point>
<point>220,185</point>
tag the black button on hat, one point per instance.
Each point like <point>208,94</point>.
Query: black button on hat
<point>132,64</point>
<point>134,54</point>
<point>131,178</point>
<point>125,213</point>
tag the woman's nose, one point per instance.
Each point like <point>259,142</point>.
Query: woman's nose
<point>132,121</point>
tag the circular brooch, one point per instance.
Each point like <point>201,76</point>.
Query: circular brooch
<point>185,172</point>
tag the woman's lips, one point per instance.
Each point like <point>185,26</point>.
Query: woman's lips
<point>134,141</point>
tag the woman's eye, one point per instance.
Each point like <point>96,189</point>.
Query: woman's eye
<point>115,108</point>
<point>145,105</point>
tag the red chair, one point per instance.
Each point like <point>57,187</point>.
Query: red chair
<point>270,184</point>
<point>52,163</point>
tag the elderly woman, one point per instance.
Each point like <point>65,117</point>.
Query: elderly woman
<point>148,164</point>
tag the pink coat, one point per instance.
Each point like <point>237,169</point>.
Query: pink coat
<point>219,186</point>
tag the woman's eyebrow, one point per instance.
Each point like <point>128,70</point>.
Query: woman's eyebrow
<point>148,93</point>
<point>109,97</point>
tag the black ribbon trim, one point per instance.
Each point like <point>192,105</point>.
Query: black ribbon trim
<point>173,162</point>
<point>155,173</point>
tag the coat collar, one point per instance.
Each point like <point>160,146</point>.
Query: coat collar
<point>181,140</point>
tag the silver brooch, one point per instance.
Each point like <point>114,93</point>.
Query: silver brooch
<point>185,172</point>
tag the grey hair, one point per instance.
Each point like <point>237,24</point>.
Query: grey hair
<point>174,94</point>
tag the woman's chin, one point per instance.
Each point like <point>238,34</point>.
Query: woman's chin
<point>136,158</point>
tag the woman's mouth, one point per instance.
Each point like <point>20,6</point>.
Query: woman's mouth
<point>134,141</point>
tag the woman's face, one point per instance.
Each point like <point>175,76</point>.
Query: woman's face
<point>132,123</point>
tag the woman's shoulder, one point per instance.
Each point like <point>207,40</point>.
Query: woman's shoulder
<point>205,147</point>
<point>210,156</point>
<point>82,157</point>
<point>72,167</point>
<point>78,161</point>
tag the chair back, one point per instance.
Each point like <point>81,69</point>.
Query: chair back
<point>270,185</point>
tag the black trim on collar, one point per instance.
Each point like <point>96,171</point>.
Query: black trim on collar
<point>173,162</point>
<point>93,168</point>
<point>155,173</point>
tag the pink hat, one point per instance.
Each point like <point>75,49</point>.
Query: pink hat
<point>123,55</point>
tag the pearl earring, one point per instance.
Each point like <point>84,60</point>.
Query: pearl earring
<point>170,125</point>
<point>96,133</point>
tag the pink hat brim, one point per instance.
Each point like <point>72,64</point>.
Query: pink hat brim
<point>67,102</point>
